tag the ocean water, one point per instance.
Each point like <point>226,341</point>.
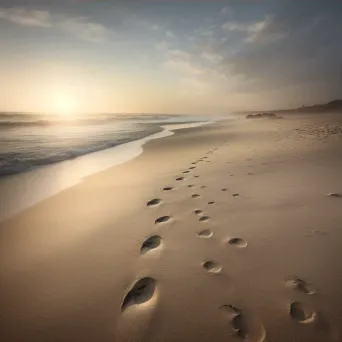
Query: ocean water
<point>31,141</point>
<point>41,159</point>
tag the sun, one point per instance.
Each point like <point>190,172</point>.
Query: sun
<point>64,106</point>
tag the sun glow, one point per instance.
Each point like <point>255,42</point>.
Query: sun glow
<point>64,106</point>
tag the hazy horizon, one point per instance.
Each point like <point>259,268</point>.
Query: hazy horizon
<point>168,57</point>
<point>80,114</point>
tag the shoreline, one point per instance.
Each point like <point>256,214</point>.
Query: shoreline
<point>228,220</point>
<point>71,172</point>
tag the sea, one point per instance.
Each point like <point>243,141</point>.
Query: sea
<point>42,155</point>
<point>28,141</point>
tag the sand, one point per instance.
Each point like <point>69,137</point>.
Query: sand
<point>229,232</point>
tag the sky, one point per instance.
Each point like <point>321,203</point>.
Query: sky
<point>168,56</point>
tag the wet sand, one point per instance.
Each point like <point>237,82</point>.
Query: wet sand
<point>227,232</point>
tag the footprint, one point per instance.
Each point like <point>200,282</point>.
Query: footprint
<point>180,178</point>
<point>250,174</point>
<point>212,267</point>
<point>154,202</point>
<point>167,188</point>
<point>334,194</point>
<point>194,163</point>
<point>237,242</point>
<point>195,196</point>
<point>229,311</point>
<point>203,187</point>
<point>300,285</point>
<point>237,320</point>
<point>239,325</point>
<point>302,313</point>
<point>196,176</point>
<point>205,234</point>
<point>151,243</point>
<point>320,232</point>
<point>211,203</point>
<point>243,327</point>
<point>192,167</point>
<point>198,212</point>
<point>187,171</point>
<point>190,186</point>
<point>236,195</point>
<point>204,219</point>
<point>224,189</point>
<point>141,292</point>
<point>162,219</point>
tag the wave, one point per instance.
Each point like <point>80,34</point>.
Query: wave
<point>30,120</point>
<point>31,141</point>
<point>17,124</point>
<point>30,157</point>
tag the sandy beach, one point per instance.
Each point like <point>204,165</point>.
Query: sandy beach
<point>226,232</point>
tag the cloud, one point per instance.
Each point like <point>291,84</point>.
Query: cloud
<point>227,10</point>
<point>211,57</point>
<point>207,33</point>
<point>80,27</point>
<point>25,17</point>
<point>288,49</point>
<point>194,86</point>
<point>178,60</point>
<point>162,46</point>
<point>184,66</point>
<point>179,54</point>
<point>204,32</point>
<point>235,26</point>
<point>266,31</point>
<point>84,29</point>
<point>170,34</point>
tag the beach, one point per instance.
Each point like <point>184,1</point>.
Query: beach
<point>224,232</point>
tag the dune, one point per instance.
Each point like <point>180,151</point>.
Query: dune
<point>244,246</point>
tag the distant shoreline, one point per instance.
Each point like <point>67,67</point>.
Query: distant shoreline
<point>334,106</point>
